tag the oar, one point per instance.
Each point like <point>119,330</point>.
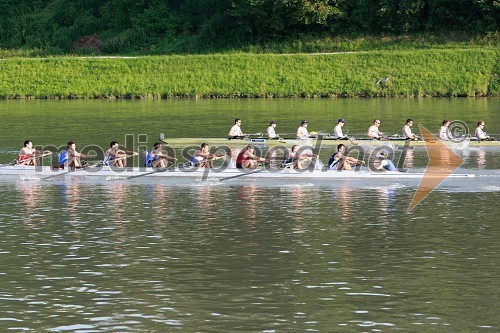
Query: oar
<point>13,162</point>
<point>32,158</point>
<point>148,173</point>
<point>67,171</point>
<point>245,136</point>
<point>121,158</point>
<point>254,134</point>
<point>243,174</point>
<point>214,158</point>
<point>58,174</point>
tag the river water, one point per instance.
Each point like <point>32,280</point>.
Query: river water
<point>242,257</point>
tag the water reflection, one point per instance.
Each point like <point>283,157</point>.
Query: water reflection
<point>30,194</point>
<point>409,158</point>
<point>301,257</point>
<point>481,158</point>
<point>344,198</point>
<point>247,196</point>
<point>157,196</point>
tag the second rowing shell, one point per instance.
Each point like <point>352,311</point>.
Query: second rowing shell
<point>183,142</point>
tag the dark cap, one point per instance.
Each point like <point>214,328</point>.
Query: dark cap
<point>303,122</point>
<point>272,122</point>
<point>383,154</point>
<point>341,120</point>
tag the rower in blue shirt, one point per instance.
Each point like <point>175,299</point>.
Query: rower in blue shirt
<point>158,158</point>
<point>70,158</point>
<point>384,163</point>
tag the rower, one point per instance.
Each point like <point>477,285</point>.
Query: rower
<point>246,159</point>
<point>115,156</point>
<point>374,132</point>
<point>383,162</point>
<point>443,130</point>
<point>236,132</point>
<point>407,133</point>
<point>338,161</point>
<point>337,131</point>
<point>296,159</point>
<point>157,158</point>
<point>203,158</point>
<point>480,134</point>
<point>28,155</point>
<point>302,132</point>
<point>271,133</point>
<point>70,158</point>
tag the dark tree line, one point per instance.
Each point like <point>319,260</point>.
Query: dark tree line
<point>156,26</point>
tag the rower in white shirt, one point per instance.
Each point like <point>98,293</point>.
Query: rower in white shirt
<point>236,132</point>
<point>374,132</point>
<point>479,133</point>
<point>407,133</point>
<point>302,132</point>
<point>443,130</point>
<point>337,131</point>
<point>270,131</point>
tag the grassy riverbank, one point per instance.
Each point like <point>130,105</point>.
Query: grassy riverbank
<point>409,73</point>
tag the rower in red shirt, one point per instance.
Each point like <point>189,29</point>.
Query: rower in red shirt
<point>247,159</point>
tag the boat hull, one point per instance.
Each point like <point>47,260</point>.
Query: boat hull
<point>182,142</point>
<point>108,173</point>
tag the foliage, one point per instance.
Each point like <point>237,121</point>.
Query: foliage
<point>201,26</point>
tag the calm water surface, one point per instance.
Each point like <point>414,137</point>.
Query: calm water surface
<point>136,257</point>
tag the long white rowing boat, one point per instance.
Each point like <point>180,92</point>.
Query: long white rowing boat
<point>324,141</point>
<point>108,173</point>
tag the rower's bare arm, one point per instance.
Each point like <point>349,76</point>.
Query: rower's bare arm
<point>129,152</point>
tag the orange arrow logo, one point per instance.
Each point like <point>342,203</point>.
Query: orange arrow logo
<point>442,162</point>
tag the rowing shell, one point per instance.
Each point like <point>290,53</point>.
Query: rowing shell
<point>328,141</point>
<point>132,173</point>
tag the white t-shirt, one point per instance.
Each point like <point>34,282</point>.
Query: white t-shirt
<point>271,133</point>
<point>235,131</point>
<point>337,132</point>
<point>443,133</point>
<point>302,133</point>
<point>480,134</point>
<point>407,133</point>
<point>373,132</point>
